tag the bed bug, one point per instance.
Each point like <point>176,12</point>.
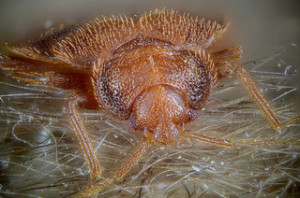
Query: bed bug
<point>153,70</point>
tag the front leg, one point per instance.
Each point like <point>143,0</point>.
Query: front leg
<point>84,139</point>
<point>260,100</point>
<point>224,61</point>
<point>93,189</point>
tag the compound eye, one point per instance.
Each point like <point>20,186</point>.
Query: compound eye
<point>192,114</point>
<point>132,123</point>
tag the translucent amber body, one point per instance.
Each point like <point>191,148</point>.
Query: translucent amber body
<point>153,70</point>
<point>114,63</point>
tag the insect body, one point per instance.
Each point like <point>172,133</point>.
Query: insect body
<point>154,71</point>
<point>156,84</point>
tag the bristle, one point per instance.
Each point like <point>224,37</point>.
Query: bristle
<point>182,29</point>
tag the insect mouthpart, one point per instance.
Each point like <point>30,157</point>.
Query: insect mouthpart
<point>160,110</point>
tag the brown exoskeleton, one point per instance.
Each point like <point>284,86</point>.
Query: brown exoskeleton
<point>154,71</point>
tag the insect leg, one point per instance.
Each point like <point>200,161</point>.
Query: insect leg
<point>96,186</point>
<point>228,55</point>
<point>260,100</point>
<point>211,140</point>
<point>85,141</point>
